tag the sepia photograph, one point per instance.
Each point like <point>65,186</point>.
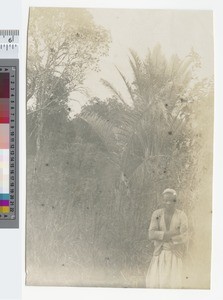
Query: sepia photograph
<point>119,131</point>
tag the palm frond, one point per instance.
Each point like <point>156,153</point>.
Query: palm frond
<point>128,85</point>
<point>105,131</point>
<point>157,57</point>
<point>139,173</point>
<point>108,85</point>
<point>185,66</point>
<point>139,75</point>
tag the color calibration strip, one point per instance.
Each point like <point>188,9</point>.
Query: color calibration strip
<point>7,142</point>
<point>9,72</point>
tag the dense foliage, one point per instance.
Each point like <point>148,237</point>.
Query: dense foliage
<point>94,181</point>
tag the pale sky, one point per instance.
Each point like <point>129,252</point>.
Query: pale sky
<point>175,30</point>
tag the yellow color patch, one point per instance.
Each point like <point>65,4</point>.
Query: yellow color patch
<point>4,209</point>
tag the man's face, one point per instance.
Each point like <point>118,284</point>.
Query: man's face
<point>169,201</point>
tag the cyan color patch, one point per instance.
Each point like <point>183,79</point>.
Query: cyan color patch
<point>4,197</point>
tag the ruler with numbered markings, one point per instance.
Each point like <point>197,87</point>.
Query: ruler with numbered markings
<point>9,97</point>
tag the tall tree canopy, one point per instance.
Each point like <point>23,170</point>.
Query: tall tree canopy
<point>63,45</point>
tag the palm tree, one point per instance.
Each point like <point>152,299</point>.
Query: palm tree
<point>153,126</point>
